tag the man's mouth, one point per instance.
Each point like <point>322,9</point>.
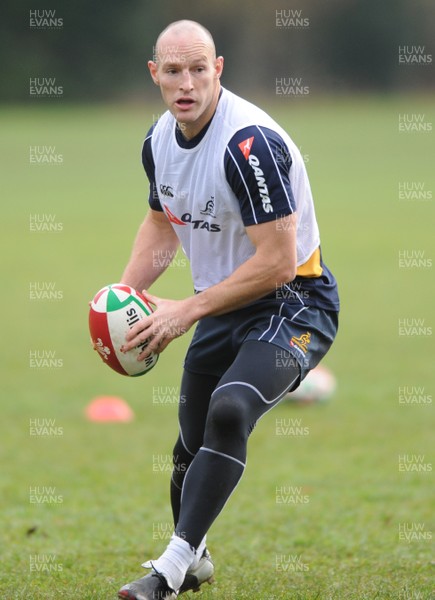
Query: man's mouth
<point>184,103</point>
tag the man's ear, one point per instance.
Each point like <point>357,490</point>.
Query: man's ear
<point>219,66</point>
<point>152,66</point>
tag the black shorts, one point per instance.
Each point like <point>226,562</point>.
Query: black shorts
<point>306,332</point>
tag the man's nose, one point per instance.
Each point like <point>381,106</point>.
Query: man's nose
<point>186,81</point>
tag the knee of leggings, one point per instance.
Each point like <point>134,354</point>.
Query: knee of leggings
<point>228,416</point>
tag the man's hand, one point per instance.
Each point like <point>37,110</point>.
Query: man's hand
<point>170,319</point>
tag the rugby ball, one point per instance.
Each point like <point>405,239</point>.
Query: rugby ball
<point>113,312</point>
<point>318,386</point>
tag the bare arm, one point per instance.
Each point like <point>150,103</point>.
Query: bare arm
<point>273,263</point>
<point>154,247</point>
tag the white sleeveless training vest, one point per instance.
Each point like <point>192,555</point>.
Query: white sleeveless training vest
<point>199,202</point>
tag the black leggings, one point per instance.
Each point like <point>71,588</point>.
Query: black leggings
<point>216,417</point>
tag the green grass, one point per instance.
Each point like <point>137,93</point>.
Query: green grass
<point>347,534</point>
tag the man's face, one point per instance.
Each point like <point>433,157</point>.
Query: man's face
<point>188,76</point>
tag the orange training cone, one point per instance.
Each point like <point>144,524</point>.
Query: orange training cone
<point>109,409</point>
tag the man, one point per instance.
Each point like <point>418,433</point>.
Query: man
<point>229,185</point>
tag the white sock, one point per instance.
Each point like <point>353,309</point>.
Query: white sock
<point>198,554</point>
<point>175,561</point>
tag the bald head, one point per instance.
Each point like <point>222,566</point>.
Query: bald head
<point>186,69</point>
<point>181,32</point>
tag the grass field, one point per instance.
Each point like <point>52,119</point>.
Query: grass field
<point>83,505</point>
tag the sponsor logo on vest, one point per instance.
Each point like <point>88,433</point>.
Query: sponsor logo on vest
<point>188,218</point>
<point>200,223</point>
<point>172,217</point>
<point>261,182</point>
<point>167,190</point>
<point>209,208</point>
<point>246,146</point>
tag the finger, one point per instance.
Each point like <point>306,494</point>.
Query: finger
<point>131,342</point>
<point>157,341</point>
<point>164,344</point>
<point>143,355</point>
<point>142,325</point>
<point>154,346</point>
<point>152,299</point>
